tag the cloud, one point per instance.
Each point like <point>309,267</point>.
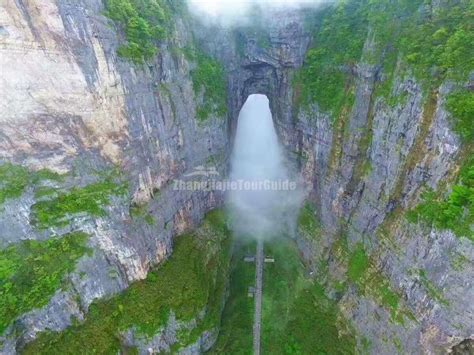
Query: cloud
<point>269,209</point>
<point>232,11</point>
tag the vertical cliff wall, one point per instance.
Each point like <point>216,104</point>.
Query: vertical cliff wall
<point>70,104</point>
<point>366,119</point>
<point>362,115</point>
<point>406,286</point>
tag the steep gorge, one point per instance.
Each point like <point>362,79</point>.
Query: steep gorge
<point>121,132</point>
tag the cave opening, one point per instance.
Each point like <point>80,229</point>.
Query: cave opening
<point>261,206</point>
<point>264,191</point>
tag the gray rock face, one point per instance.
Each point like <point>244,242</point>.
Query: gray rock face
<point>366,189</point>
<point>255,69</point>
<point>72,105</point>
<point>412,145</point>
<point>364,205</point>
<point>168,336</point>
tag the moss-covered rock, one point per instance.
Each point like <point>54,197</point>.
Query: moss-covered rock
<point>191,281</point>
<point>31,272</point>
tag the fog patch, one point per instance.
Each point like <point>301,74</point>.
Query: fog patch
<point>240,12</point>
<point>257,159</point>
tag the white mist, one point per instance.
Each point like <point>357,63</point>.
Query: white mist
<point>257,160</point>
<point>232,12</point>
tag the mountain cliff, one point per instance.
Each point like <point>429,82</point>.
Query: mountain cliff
<point>105,104</point>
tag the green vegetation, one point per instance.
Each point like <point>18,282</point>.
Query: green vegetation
<point>404,40</point>
<point>295,308</point>
<point>235,334</point>
<point>358,264</point>
<point>458,261</point>
<point>191,280</point>
<point>379,287</point>
<point>308,225</point>
<point>338,37</point>
<point>366,345</point>
<point>439,44</point>
<point>297,317</point>
<point>31,272</point>
<point>432,44</point>
<point>215,160</point>
<point>141,212</point>
<point>55,209</point>
<point>208,77</point>
<point>54,205</point>
<point>362,272</point>
<point>454,210</point>
<point>143,22</point>
<point>14,179</point>
<point>216,252</point>
<point>461,106</point>
<point>433,292</point>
